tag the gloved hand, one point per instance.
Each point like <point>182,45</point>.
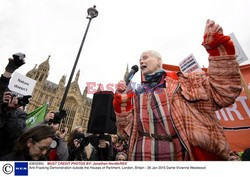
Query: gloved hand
<point>215,42</point>
<point>14,64</point>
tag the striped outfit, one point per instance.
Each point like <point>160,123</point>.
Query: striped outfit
<point>184,107</point>
<point>157,138</point>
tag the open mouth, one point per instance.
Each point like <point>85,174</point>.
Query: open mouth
<point>143,67</point>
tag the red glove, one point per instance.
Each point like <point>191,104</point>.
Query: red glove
<point>215,42</point>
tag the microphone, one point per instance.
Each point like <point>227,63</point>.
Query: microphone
<point>131,74</point>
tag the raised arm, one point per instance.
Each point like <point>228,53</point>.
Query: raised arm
<point>224,77</point>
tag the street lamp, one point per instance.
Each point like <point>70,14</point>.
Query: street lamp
<point>92,13</point>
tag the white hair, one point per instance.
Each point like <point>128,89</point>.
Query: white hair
<point>77,127</point>
<point>154,53</point>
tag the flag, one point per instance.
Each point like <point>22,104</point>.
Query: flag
<point>37,115</point>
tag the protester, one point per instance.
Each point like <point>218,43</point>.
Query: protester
<point>77,147</point>
<point>172,115</point>
<point>121,156</point>
<point>32,145</point>
<point>77,129</point>
<point>60,151</point>
<point>114,143</point>
<point>119,145</point>
<point>12,116</point>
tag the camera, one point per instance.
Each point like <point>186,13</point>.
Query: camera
<point>83,141</point>
<point>18,56</point>
<point>22,101</point>
<point>59,116</point>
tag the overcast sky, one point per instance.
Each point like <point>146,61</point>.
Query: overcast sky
<point>117,37</point>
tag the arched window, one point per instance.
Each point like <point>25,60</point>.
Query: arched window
<point>37,75</point>
<point>71,108</point>
<point>51,100</point>
<point>40,98</point>
<point>41,77</point>
<point>46,99</point>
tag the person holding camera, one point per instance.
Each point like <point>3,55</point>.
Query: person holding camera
<point>12,115</point>
<point>59,151</point>
<point>77,129</point>
<point>77,147</point>
<point>172,115</point>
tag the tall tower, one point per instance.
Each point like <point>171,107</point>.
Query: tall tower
<point>41,73</point>
<point>77,104</point>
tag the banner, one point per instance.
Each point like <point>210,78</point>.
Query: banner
<point>37,115</point>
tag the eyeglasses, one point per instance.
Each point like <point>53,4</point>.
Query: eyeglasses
<point>42,148</point>
<point>52,123</point>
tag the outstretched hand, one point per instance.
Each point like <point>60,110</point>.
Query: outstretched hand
<point>211,27</point>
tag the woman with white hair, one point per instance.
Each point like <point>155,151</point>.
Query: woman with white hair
<point>172,116</point>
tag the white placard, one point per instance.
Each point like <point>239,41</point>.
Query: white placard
<point>241,56</point>
<point>21,84</point>
<point>189,64</point>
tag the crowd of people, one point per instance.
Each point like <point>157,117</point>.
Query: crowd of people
<point>45,141</point>
<point>170,117</point>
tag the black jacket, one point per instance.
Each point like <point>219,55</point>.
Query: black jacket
<point>12,123</point>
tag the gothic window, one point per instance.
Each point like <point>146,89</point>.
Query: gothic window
<point>88,112</point>
<point>51,100</point>
<point>85,113</point>
<point>40,98</point>
<point>71,108</point>
<point>41,77</point>
<point>83,110</point>
<point>37,75</point>
<point>46,99</point>
<point>85,123</point>
<point>34,94</point>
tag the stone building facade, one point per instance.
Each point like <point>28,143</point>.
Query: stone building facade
<point>77,104</point>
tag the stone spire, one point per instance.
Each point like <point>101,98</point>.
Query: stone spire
<point>77,76</point>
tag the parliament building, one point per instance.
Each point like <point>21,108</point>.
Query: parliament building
<point>77,104</point>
